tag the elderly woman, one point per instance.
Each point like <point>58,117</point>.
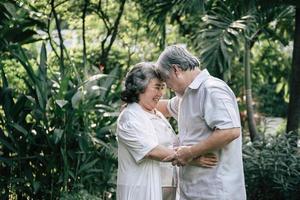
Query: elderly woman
<point>145,137</point>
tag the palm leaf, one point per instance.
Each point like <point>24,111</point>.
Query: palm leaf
<point>218,39</point>
<point>157,13</point>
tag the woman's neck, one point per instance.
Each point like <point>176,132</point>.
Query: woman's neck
<point>152,111</point>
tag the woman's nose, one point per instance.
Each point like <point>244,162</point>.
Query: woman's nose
<point>160,92</point>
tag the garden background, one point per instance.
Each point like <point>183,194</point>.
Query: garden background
<point>62,63</point>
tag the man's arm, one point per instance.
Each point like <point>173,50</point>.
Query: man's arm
<point>217,140</point>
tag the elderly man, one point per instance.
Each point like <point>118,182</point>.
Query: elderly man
<point>208,122</point>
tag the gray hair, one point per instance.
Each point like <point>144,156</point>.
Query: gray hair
<point>137,80</point>
<point>177,55</point>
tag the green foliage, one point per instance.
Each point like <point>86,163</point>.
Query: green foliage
<point>219,37</point>
<point>161,14</point>
<point>271,68</point>
<point>271,102</point>
<point>57,138</point>
<point>17,24</point>
<point>56,131</point>
<point>272,168</point>
<point>80,195</point>
<point>16,76</point>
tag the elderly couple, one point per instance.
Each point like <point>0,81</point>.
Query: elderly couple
<point>208,148</point>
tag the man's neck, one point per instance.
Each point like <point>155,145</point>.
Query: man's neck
<point>188,77</point>
<point>191,75</point>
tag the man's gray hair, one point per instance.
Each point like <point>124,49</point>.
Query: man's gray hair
<point>176,55</point>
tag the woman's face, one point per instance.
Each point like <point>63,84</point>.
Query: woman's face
<point>149,99</point>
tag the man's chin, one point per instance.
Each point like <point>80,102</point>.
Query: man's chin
<point>178,94</point>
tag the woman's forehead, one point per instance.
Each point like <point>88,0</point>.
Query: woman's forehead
<point>156,82</point>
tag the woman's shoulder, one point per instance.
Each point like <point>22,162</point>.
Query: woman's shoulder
<point>131,112</point>
<point>133,119</point>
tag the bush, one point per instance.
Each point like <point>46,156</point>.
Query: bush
<point>80,195</point>
<point>57,136</point>
<point>272,168</point>
<point>271,102</point>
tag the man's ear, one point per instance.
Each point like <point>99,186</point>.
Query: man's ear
<point>176,69</point>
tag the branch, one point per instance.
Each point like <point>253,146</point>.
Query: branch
<point>61,43</point>
<point>114,33</point>
<point>103,16</point>
<point>49,35</point>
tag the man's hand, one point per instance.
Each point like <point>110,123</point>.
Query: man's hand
<point>184,156</point>
<point>208,160</point>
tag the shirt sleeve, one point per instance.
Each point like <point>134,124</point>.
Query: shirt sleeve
<point>173,107</point>
<point>137,138</point>
<point>220,109</point>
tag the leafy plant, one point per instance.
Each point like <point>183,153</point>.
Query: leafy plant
<point>271,61</point>
<point>17,24</point>
<point>272,168</point>
<point>80,195</point>
<point>57,136</point>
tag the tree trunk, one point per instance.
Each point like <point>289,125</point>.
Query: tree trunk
<point>293,120</point>
<point>248,91</point>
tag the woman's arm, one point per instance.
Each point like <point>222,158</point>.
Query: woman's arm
<point>159,153</point>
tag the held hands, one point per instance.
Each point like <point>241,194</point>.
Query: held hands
<point>184,156</point>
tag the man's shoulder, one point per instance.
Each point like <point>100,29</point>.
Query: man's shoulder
<point>212,81</point>
<point>215,86</point>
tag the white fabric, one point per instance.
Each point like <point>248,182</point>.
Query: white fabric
<point>166,137</point>
<point>138,133</point>
<point>208,103</point>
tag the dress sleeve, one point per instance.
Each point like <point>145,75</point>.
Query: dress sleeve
<point>137,137</point>
<point>220,109</point>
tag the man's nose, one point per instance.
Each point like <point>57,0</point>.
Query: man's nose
<point>167,85</point>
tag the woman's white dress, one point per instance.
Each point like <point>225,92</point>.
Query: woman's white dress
<point>138,133</point>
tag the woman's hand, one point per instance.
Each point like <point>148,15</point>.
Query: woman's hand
<point>208,160</point>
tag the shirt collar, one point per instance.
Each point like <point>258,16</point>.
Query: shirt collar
<point>200,78</point>
<point>137,107</point>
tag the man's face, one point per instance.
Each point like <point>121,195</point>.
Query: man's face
<point>174,80</point>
